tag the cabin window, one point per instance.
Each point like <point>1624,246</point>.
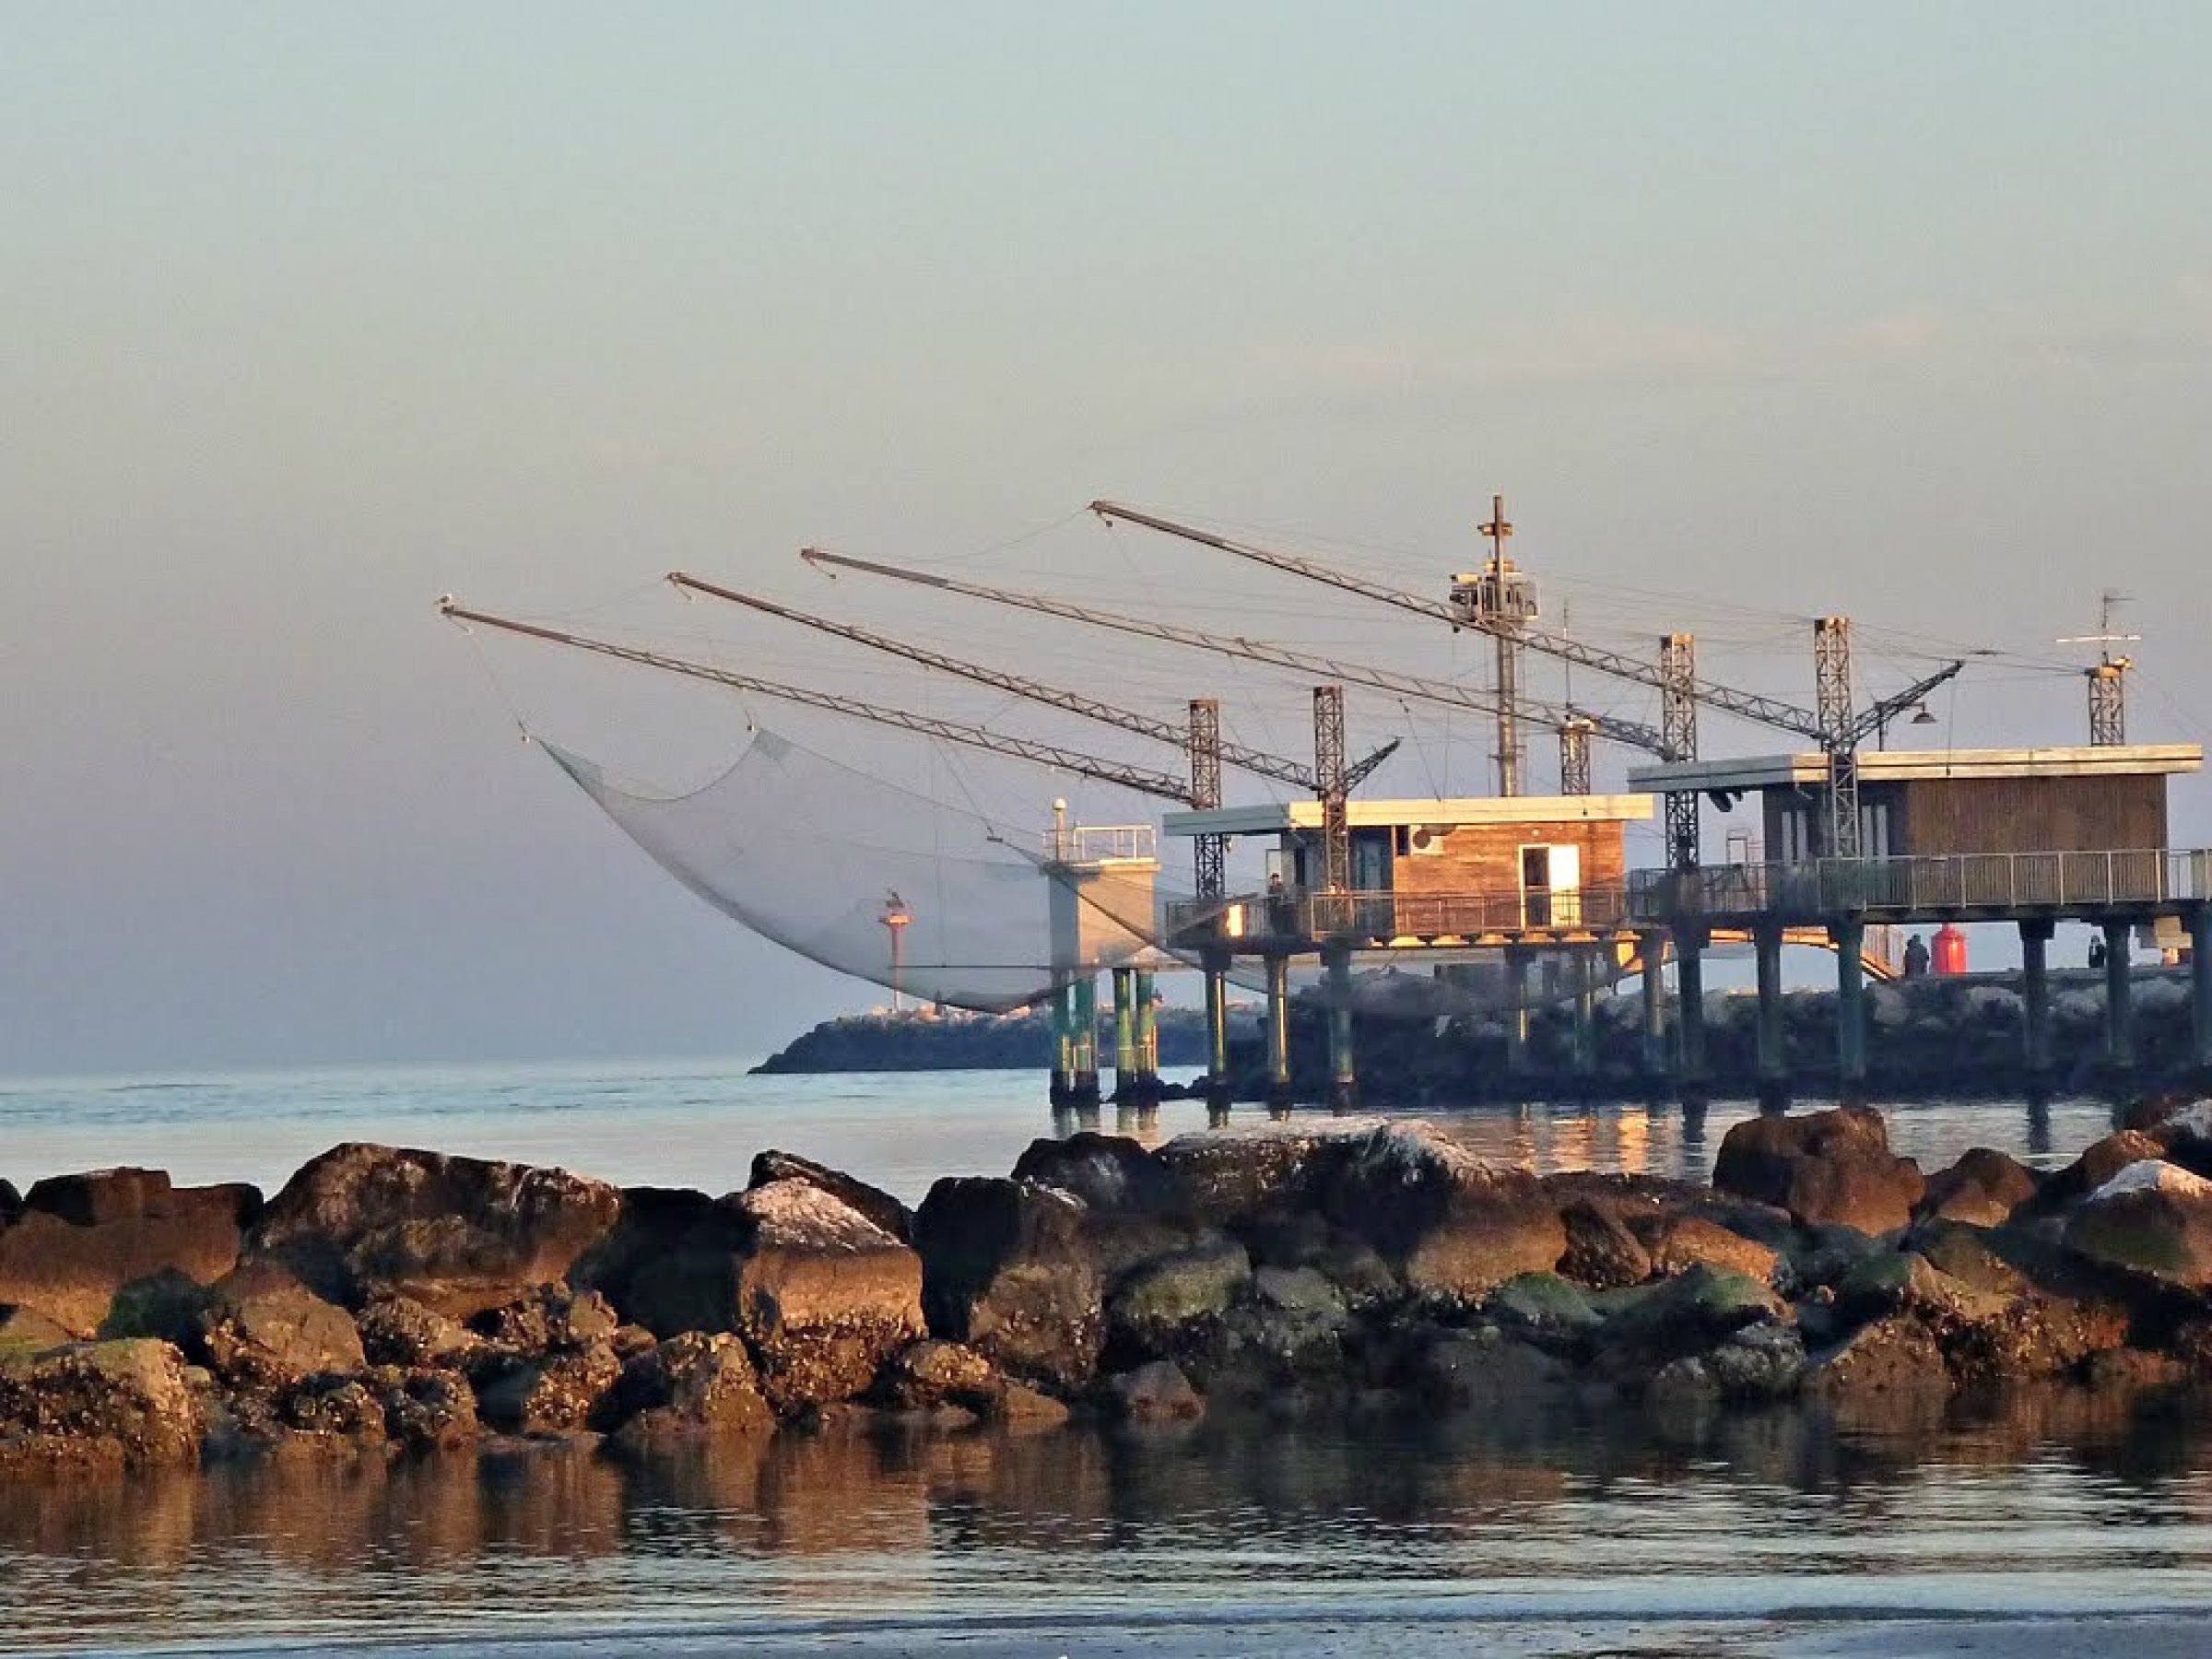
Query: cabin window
<point>1372,853</point>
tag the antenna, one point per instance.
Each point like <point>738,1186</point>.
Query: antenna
<point>2108,678</point>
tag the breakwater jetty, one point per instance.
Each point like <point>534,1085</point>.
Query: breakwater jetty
<point>390,1302</point>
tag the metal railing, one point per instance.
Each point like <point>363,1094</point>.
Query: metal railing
<point>1990,886</point>
<point>1097,843</point>
<point>1956,886</point>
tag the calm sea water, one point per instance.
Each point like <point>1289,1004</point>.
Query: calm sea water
<point>2055,1527</point>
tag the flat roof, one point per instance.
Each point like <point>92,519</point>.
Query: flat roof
<point>1277,816</point>
<point>1895,766</point>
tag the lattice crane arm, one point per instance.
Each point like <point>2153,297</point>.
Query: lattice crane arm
<point>999,743</point>
<point>1257,651</point>
<point>1747,705</point>
<point>1257,762</point>
<point>1890,706</point>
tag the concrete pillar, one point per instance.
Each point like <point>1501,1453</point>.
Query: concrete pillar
<point>1773,1056</point>
<point>2119,999</point>
<point>1651,949</point>
<point>1344,1079</point>
<point>1278,1028</point>
<point>1850,939</point>
<point>1217,1032</point>
<point>1517,958</point>
<point>1083,1067</point>
<point>1583,964</point>
<point>1125,1033</point>
<point>1147,1037</point>
<point>2035,1000</point>
<point>1690,1018</point>
<point>2200,986</point>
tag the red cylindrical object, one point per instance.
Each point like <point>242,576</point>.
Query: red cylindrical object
<point>1949,953</point>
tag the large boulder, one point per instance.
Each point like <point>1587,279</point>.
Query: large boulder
<point>1155,1392</point>
<point>1010,1269</point>
<point>1233,1175</point>
<point>876,1205</point>
<point>2153,1218</point>
<point>824,1294</point>
<point>1983,1188</point>
<point>262,1327</point>
<point>1830,1166</point>
<point>457,1234</point>
<point>107,1404</point>
<point>554,1395</point>
<point>550,1319</point>
<point>934,1375</point>
<point>426,1409</point>
<point>1106,1173</point>
<point>11,1202</point>
<point>397,1331</point>
<point>80,1238</point>
<point>1450,1223</point>
<point>670,1261</point>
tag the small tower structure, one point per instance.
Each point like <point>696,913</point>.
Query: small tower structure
<point>1502,600</point>
<point>896,918</point>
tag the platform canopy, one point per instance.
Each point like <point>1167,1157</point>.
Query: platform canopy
<point>1304,816</point>
<point>1902,766</point>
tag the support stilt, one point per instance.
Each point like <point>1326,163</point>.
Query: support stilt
<point>1584,964</point>
<point>1690,1018</point>
<point>1517,959</point>
<point>1850,939</point>
<point>1125,1076</point>
<point>1773,1058</point>
<point>1279,1029</point>
<point>1147,1037</point>
<point>2118,998</point>
<point>1216,1032</point>
<point>2035,1001</point>
<point>1083,1067</point>
<point>2200,988</point>
<point>1651,949</point>
<point>1343,1081</point>
<point>1064,1045</point>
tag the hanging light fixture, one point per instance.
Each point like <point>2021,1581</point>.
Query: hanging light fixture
<point>1922,716</point>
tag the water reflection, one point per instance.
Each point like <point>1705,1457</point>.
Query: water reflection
<point>2066,1501</point>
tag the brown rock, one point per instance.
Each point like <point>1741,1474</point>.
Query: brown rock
<point>1889,1374</point>
<point>560,1394</point>
<point>458,1235</point>
<point>1449,1222</point>
<point>873,1203</point>
<point>80,1238</point>
<point>107,1404</point>
<point>1601,1251</point>
<point>1984,1188</point>
<point>2153,1218</point>
<point>398,1330</point>
<point>692,1384</point>
<point>1233,1175</point>
<point>1678,1244</point>
<point>1010,1269</point>
<point>550,1319</point>
<point>824,1295</point>
<point>427,1410</point>
<point>1156,1393</point>
<point>11,1203</point>
<point>932,1374</point>
<point>2099,1163</point>
<point>25,1332</point>
<point>1107,1174</point>
<point>264,1328</point>
<point>670,1261</point>
<point>1825,1167</point>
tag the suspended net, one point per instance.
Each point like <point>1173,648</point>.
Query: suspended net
<point>948,904</point>
<point>938,902</point>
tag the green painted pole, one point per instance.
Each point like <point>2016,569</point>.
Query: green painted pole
<point>1147,1033</point>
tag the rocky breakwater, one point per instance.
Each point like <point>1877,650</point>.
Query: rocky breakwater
<point>392,1301</point>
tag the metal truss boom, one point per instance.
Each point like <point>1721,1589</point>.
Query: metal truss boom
<point>1283,771</point>
<point>1257,651</point>
<point>1154,783</point>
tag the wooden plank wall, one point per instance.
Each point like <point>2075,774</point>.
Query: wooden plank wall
<point>2033,814</point>
<point>1486,858</point>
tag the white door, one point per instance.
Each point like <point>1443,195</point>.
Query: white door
<point>1566,886</point>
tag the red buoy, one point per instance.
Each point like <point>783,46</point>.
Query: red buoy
<point>1949,953</point>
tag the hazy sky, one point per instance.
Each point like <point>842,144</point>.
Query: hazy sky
<point>309,314</point>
